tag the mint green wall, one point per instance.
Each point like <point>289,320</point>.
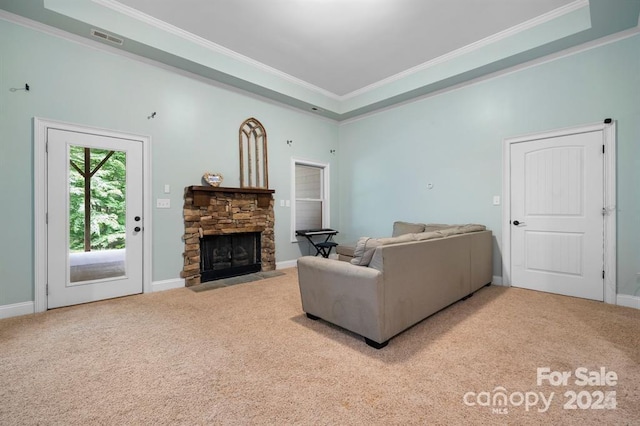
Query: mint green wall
<point>454,140</point>
<point>195,130</point>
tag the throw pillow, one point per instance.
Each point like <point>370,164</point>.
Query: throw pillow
<point>364,251</point>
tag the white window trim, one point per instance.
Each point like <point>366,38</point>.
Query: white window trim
<point>326,222</point>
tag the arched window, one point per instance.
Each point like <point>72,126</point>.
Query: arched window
<point>254,165</point>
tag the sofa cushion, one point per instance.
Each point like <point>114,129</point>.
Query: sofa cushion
<point>401,228</point>
<point>461,229</point>
<point>364,251</point>
<point>471,227</point>
<point>346,249</point>
<point>404,238</point>
<point>427,235</point>
<point>436,226</point>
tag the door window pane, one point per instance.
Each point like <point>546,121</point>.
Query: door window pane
<point>97,213</point>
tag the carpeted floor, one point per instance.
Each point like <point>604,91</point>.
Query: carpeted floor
<point>246,354</point>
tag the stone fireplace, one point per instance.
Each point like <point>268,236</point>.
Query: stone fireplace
<point>237,216</point>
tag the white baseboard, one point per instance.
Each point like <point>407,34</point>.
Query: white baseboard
<point>628,301</point>
<point>287,264</point>
<point>17,309</point>
<point>167,284</point>
<point>496,280</point>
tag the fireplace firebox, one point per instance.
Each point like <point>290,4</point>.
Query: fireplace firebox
<point>230,255</point>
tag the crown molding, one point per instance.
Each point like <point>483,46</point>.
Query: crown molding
<point>209,45</point>
<point>594,44</point>
<point>341,118</point>
<point>487,41</point>
<point>103,47</point>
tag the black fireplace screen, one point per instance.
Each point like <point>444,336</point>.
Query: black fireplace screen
<point>229,255</point>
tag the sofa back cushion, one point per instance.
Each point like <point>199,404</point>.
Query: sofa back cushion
<point>461,229</point>
<point>364,251</point>
<point>404,238</point>
<point>429,227</point>
<point>366,246</point>
<point>427,235</point>
<point>402,228</point>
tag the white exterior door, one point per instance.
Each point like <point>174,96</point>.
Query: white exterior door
<point>557,225</point>
<point>95,224</point>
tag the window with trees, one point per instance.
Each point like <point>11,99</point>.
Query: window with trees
<point>97,208</point>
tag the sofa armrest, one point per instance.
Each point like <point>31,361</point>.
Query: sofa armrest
<point>343,294</point>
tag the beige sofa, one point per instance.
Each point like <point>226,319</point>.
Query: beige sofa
<point>394,283</point>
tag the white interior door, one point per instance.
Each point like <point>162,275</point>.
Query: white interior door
<point>94,208</point>
<point>557,225</point>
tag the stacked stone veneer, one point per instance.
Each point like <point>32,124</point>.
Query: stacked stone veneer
<point>220,211</point>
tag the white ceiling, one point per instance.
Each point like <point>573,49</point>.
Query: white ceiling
<point>343,46</point>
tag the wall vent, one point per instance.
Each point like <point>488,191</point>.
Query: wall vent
<point>107,37</point>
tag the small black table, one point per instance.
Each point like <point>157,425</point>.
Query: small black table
<point>323,247</point>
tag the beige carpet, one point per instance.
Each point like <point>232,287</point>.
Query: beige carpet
<point>246,354</point>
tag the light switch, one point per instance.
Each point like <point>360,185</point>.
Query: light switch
<point>288,203</point>
<point>167,188</point>
<point>281,203</point>
<point>496,200</point>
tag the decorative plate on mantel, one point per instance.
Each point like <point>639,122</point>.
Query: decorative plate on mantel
<point>213,179</point>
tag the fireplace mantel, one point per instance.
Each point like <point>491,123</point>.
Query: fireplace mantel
<point>202,194</point>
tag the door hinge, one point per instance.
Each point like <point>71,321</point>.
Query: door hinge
<point>603,149</point>
<point>46,218</point>
<point>46,147</point>
<point>47,289</point>
<point>603,274</point>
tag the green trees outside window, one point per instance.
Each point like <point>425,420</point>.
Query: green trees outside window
<point>97,182</point>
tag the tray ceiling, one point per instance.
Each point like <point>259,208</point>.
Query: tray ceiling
<point>339,58</point>
<point>342,46</point>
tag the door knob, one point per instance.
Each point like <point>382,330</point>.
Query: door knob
<point>137,218</point>
<point>516,223</point>
<point>137,229</point>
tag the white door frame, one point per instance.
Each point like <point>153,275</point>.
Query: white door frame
<point>609,141</point>
<point>40,127</point>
